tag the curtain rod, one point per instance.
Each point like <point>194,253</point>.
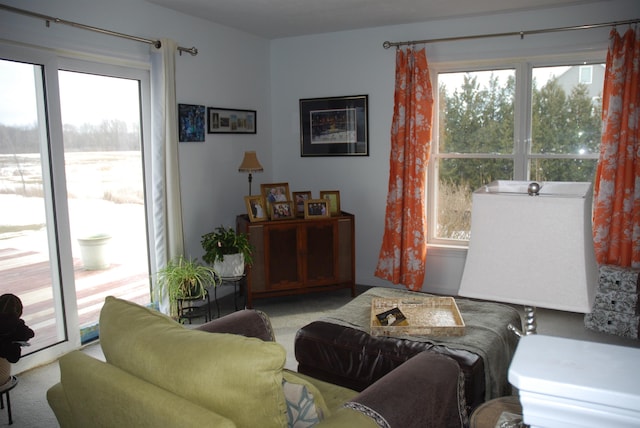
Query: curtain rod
<point>388,44</point>
<point>48,19</point>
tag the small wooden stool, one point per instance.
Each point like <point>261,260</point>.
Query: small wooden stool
<point>488,413</point>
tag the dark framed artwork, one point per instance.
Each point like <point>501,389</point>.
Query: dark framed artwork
<point>335,126</point>
<point>231,121</point>
<point>191,120</point>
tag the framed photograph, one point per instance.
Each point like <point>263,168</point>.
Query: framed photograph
<point>275,192</point>
<point>256,208</point>
<point>191,120</point>
<point>316,208</point>
<point>282,210</point>
<point>231,121</point>
<point>336,126</point>
<point>298,200</point>
<point>333,196</point>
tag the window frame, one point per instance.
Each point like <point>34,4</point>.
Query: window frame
<point>521,154</point>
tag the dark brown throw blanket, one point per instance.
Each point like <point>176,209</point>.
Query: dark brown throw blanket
<point>486,332</point>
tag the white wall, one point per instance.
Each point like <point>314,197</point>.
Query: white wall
<point>231,70</point>
<point>354,63</point>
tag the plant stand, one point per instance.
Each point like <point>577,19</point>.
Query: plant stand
<point>196,307</point>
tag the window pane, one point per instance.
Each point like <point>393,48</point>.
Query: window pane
<point>105,188</point>
<point>566,114</point>
<point>476,112</point>
<point>458,178</point>
<point>563,169</point>
<point>28,267</point>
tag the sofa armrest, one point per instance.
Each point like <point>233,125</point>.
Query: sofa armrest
<point>427,390</point>
<point>246,322</point>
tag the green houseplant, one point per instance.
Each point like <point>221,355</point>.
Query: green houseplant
<point>227,242</point>
<point>185,279</point>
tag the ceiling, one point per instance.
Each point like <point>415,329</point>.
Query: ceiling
<point>273,19</point>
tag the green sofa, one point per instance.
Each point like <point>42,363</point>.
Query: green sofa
<point>230,373</point>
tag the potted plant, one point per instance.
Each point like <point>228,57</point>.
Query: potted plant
<point>185,279</point>
<point>227,250</point>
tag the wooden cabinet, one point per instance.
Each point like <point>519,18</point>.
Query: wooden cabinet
<point>300,256</point>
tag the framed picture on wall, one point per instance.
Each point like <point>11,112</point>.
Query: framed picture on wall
<point>336,126</point>
<point>231,121</point>
<point>191,120</point>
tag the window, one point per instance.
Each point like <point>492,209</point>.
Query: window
<point>515,122</point>
<point>586,74</point>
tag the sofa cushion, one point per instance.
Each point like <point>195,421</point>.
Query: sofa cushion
<point>235,376</point>
<point>121,400</point>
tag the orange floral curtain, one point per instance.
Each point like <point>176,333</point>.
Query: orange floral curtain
<point>616,224</point>
<point>404,245</point>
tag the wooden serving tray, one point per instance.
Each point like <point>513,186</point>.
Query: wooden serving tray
<point>424,316</point>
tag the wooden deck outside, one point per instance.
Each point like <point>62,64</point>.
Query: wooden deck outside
<point>27,275</point>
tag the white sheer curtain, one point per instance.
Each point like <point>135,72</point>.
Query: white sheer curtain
<point>167,207</point>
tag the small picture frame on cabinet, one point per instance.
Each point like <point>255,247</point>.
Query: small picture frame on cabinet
<point>334,197</point>
<point>282,210</point>
<point>256,208</point>
<point>298,200</point>
<point>317,208</point>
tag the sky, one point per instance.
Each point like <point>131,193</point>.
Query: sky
<point>85,98</point>
<point>541,74</point>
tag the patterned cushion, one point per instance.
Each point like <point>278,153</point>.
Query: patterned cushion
<point>305,406</point>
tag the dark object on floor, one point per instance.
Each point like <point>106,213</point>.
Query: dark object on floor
<point>14,333</point>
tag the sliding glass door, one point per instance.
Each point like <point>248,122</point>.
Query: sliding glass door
<point>101,130</point>
<point>73,223</point>
<point>29,266</point>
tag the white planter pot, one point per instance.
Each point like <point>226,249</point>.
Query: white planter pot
<point>231,266</point>
<point>94,251</point>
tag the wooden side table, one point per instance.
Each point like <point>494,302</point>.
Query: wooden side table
<point>488,413</point>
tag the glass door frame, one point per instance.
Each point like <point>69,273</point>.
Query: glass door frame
<point>53,164</point>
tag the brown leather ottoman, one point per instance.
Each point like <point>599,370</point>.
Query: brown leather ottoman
<point>354,359</point>
<point>339,349</point>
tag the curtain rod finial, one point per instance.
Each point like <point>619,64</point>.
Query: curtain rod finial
<point>386,44</point>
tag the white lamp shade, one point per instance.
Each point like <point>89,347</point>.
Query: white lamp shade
<point>532,250</point>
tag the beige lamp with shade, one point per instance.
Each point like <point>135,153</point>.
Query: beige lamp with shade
<point>250,164</point>
<point>532,244</point>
